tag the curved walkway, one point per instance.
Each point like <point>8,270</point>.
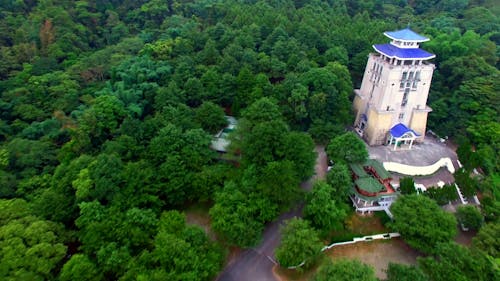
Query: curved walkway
<point>256,264</point>
<point>419,170</point>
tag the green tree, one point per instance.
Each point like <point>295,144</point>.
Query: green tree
<point>487,240</point>
<point>79,268</point>
<point>234,216</point>
<point>340,179</point>
<point>345,270</point>
<point>456,262</point>
<point>402,272</point>
<point>179,252</point>
<point>299,243</point>
<point>30,248</point>
<point>470,217</point>
<point>422,223</point>
<point>407,185</point>
<point>210,117</point>
<point>324,212</point>
<point>347,148</point>
<point>299,149</point>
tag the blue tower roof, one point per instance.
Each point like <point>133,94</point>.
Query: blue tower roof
<point>392,51</point>
<point>406,35</point>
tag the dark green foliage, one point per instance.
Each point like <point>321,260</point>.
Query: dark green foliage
<point>236,217</point>
<point>299,243</point>
<point>347,148</point>
<point>211,117</point>
<point>470,217</point>
<point>422,223</point>
<point>402,272</point>
<point>111,105</point>
<point>443,195</point>
<point>179,252</point>
<point>468,185</point>
<point>345,270</point>
<point>340,179</point>
<point>487,240</point>
<point>456,262</point>
<point>407,186</point>
<point>325,212</point>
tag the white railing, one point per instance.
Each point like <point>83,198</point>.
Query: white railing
<point>368,238</point>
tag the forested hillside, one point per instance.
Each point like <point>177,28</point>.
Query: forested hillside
<point>108,107</point>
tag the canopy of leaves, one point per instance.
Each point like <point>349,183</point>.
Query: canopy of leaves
<point>347,148</point>
<point>324,212</point>
<point>422,223</point>
<point>299,243</point>
<point>345,270</point>
<point>455,262</point>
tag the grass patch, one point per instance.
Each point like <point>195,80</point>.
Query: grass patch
<point>360,225</point>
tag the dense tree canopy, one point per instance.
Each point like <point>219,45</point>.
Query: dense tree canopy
<point>325,212</point>
<point>345,270</point>
<point>299,243</point>
<point>107,110</point>
<point>422,223</point>
<point>347,148</point>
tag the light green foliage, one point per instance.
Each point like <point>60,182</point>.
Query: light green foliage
<point>30,248</point>
<point>345,270</point>
<point>422,223</point>
<point>402,272</point>
<point>456,262</point>
<point>180,252</point>
<point>299,243</point>
<point>347,148</point>
<point>79,268</point>
<point>322,208</point>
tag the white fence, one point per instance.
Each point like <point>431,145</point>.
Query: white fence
<point>368,238</point>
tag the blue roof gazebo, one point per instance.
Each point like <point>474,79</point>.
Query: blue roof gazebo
<point>401,133</point>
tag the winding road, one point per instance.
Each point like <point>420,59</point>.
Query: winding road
<point>256,264</point>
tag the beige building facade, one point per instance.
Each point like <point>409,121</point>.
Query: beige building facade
<point>391,104</point>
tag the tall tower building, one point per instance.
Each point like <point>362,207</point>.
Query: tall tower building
<point>391,104</point>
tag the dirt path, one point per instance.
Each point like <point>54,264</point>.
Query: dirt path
<point>377,254</point>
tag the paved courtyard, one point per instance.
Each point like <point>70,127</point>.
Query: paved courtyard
<point>424,154</point>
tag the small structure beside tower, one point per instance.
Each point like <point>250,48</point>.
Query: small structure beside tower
<point>391,105</point>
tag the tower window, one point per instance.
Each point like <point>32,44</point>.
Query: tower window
<point>405,97</point>
<point>401,116</point>
<point>405,74</point>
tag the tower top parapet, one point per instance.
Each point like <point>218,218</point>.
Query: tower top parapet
<point>404,46</point>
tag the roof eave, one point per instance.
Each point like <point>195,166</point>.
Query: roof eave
<point>392,56</point>
<point>407,40</point>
